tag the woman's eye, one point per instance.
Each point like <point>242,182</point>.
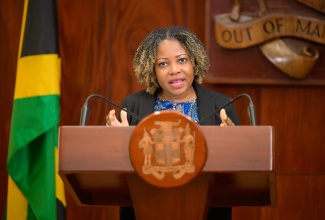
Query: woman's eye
<point>163,64</point>
<point>182,60</point>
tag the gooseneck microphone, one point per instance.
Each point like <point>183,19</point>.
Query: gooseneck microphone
<point>84,109</point>
<point>251,109</point>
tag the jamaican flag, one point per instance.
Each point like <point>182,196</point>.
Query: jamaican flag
<point>35,191</point>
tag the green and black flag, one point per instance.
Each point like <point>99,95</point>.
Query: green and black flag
<point>35,191</point>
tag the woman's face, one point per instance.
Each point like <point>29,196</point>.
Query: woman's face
<point>174,72</point>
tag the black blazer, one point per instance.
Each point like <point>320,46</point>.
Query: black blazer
<point>142,104</point>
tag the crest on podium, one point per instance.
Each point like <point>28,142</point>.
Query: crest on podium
<point>167,149</point>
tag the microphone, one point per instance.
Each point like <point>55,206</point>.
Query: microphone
<point>251,109</point>
<point>84,109</point>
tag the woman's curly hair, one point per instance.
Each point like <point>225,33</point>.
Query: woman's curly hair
<point>145,56</point>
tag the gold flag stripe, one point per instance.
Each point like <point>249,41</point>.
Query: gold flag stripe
<point>16,199</point>
<point>58,181</point>
<point>38,75</point>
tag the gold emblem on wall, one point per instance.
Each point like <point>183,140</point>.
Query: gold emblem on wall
<point>167,149</point>
<point>295,58</point>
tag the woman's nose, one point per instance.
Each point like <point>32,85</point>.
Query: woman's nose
<point>174,68</point>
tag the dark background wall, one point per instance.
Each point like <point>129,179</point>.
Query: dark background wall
<point>97,42</point>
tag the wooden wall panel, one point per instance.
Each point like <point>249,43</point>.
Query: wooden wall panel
<point>98,40</point>
<point>10,23</point>
<point>297,114</point>
<point>85,45</point>
<point>299,197</point>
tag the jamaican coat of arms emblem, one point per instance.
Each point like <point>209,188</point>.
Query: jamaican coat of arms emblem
<point>165,147</point>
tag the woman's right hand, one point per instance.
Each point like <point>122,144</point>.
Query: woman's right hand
<point>111,119</point>
<point>226,121</point>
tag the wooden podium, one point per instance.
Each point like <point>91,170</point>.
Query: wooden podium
<point>95,166</point>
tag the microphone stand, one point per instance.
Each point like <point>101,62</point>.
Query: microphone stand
<point>251,109</point>
<point>84,109</point>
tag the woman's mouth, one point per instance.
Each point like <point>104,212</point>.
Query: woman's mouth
<point>176,83</point>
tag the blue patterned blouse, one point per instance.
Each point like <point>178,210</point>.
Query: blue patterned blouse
<point>188,108</point>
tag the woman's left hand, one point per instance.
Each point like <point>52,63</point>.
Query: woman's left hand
<point>111,119</point>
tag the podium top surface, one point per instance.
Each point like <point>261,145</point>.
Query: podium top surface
<point>230,149</point>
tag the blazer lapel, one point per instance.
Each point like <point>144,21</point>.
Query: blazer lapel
<point>206,105</point>
<point>146,105</point>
